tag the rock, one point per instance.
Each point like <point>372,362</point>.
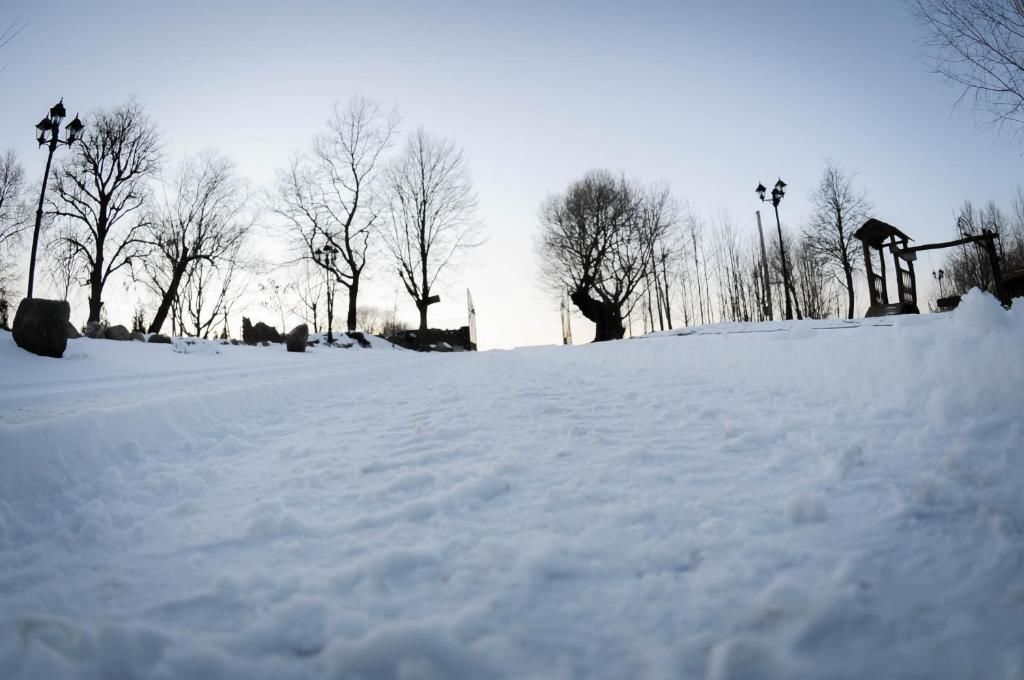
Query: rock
<point>73,332</point>
<point>137,336</point>
<point>95,329</point>
<point>359,337</point>
<point>159,339</point>
<point>41,326</point>
<point>117,333</point>
<point>258,334</point>
<point>297,338</point>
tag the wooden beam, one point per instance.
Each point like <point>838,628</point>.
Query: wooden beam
<point>947,244</point>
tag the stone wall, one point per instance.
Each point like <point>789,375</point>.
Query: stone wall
<point>435,340</point>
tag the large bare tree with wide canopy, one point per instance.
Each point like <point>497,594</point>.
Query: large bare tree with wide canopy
<point>596,243</point>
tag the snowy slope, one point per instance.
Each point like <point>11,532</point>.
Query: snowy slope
<point>807,502</point>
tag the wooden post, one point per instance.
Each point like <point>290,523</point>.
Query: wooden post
<point>872,297</point>
<point>884,293</point>
<point>993,258</point>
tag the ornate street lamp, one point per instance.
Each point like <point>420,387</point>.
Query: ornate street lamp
<point>778,192</point>
<point>50,125</point>
<point>939,276</point>
<point>327,257</point>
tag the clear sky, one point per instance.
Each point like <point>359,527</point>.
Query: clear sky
<point>709,97</point>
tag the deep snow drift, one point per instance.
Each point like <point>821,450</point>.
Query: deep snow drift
<point>819,500</point>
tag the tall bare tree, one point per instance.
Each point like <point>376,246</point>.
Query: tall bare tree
<point>977,44</point>
<point>658,214</point>
<point>13,221</point>
<point>198,219</point>
<point>813,281</point>
<point>332,196</point>
<point>13,214</point>
<point>693,236</point>
<point>432,215</point>
<point>99,192</point>
<point>838,210</point>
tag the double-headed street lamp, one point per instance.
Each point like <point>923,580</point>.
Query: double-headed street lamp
<point>50,124</point>
<point>778,192</point>
<point>327,257</point>
<point>938,276</point>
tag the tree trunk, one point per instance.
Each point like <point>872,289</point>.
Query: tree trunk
<point>421,305</point>
<point>353,292</point>
<point>95,297</point>
<point>168,298</point>
<point>849,291</point>
<point>607,317</point>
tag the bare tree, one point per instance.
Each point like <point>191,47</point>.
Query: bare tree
<point>99,193</point>
<point>198,219</point>
<point>977,45</point>
<point>60,258</point>
<point>8,33</point>
<point>775,271</point>
<point>309,287</point>
<point>208,292</point>
<point>968,265</point>
<point>658,214</point>
<point>813,281</point>
<point>432,215</point>
<point>693,228</point>
<point>595,243</point>
<point>371,319</point>
<point>13,221</point>
<point>331,198</point>
<point>838,210</point>
<point>12,29</point>
<point>13,213</point>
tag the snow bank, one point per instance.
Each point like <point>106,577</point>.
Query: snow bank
<point>797,499</point>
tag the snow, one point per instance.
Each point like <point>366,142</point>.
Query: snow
<point>793,499</point>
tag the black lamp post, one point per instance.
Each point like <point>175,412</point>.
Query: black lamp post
<point>778,192</point>
<point>50,124</point>
<point>938,276</point>
<point>327,257</point>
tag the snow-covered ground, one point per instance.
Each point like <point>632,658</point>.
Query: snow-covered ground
<point>821,500</point>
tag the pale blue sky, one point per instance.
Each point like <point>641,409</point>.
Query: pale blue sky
<point>708,97</point>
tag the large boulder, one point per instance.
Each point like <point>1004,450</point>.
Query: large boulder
<point>117,333</point>
<point>73,332</point>
<point>95,329</point>
<point>159,339</point>
<point>298,337</point>
<point>259,333</point>
<point>138,337</point>
<point>41,326</point>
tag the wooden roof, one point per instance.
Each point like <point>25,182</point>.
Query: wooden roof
<point>873,232</point>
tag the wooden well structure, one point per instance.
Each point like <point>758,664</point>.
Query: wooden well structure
<point>880,236</point>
